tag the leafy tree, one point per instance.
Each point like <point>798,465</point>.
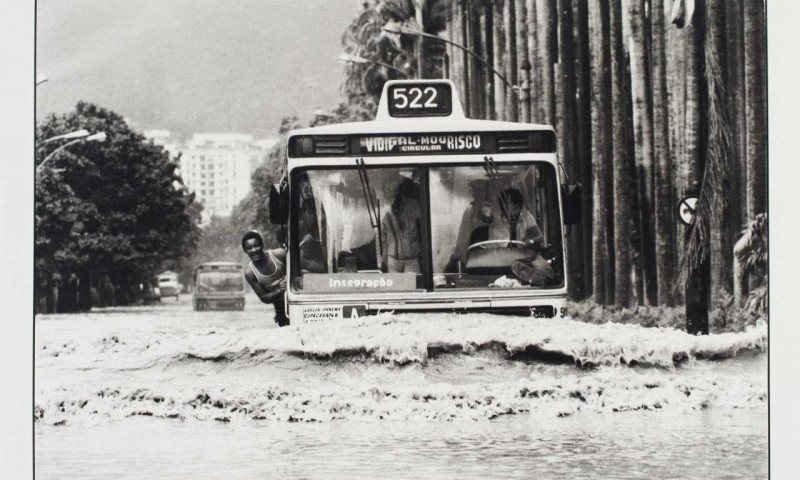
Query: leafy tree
<point>116,206</point>
<point>366,38</point>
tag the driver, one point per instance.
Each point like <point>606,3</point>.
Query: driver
<point>519,225</point>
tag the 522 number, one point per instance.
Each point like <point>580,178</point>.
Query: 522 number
<point>414,97</point>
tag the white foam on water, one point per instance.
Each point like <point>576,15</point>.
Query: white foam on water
<point>382,368</point>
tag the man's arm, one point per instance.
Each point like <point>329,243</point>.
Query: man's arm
<point>533,234</point>
<point>264,294</point>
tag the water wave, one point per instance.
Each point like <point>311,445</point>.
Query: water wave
<point>608,390</point>
<point>411,339</point>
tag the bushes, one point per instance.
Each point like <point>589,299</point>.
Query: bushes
<point>725,316</point>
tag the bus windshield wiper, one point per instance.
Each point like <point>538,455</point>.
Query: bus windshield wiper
<point>372,207</point>
<point>491,172</point>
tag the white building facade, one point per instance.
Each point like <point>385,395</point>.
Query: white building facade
<point>217,168</point>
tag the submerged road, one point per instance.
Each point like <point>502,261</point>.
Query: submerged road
<point>227,394</point>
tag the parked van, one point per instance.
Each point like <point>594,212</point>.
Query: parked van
<point>219,285</point>
<point>169,285</point>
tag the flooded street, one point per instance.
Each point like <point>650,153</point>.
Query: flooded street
<point>166,392</point>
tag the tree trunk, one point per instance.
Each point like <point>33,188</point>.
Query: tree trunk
<point>698,275</point>
<point>721,261</point>
<point>476,70</point>
<point>736,95</point>
<point>643,131</point>
<point>521,31</point>
<point>624,180</point>
<point>533,57</point>
<point>85,289</point>
<point>692,161</point>
<point>499,42</point>
<point>663,201</point>
<point>447,72</point>
<point>455,55</point>
<point>548,24</point>
<point>583,120</point>
<point>51,295</point>
<point>464,63</point>
<point>566,134</point>
<point>697,299</point>
<point>676,94</point>
<point>755,106</point>
<point>510,19</point>
<point>602,272</point>
<point>487,27</point>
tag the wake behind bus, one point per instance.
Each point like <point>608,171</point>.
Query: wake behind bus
<point>423,210</point>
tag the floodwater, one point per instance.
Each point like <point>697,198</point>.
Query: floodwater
<point>166,392</point>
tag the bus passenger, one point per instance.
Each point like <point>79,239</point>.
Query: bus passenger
<point>266,273</point>
<point>312,258</point>
<point>400,229</point>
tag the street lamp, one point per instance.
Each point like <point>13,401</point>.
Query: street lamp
<point>77,134</point>
<point>348,58</point>
<point>75,137</point>
<point>41,78</point>
<point>402,30</point>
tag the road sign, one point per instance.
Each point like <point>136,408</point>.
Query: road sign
<point>687,210</point>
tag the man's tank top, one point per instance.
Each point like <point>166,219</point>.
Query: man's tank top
<point>276,265</point>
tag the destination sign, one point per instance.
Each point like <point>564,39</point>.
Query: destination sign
<point>421,143</point>
<point>428,143</point>
<point>420,99</point>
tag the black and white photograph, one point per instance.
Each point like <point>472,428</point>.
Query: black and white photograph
<point>399,239</point>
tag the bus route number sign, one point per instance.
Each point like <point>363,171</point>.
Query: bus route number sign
<point>420,99</point>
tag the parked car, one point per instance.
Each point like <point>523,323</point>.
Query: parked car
<point>219,285</point>
<point>169,285</point>
<point>150,293</point>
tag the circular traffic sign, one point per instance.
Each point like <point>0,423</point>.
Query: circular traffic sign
<point>687,210</point>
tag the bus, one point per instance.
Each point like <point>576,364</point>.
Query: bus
<point>424,210</point>
<point>219,285</point>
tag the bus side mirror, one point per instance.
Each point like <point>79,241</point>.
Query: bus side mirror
<point>571,198</point>
<point>278,204</point>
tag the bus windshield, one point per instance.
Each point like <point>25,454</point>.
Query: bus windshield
<point>429,227</point>
<point>219,281</point>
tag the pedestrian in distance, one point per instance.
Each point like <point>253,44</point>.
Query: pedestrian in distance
<point>266,273</point>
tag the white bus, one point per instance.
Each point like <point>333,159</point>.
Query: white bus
<point>424,210</point>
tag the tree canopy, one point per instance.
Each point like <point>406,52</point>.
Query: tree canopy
<point>116,206</point>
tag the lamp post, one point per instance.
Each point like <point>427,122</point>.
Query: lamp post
<point>41,78</point>
<point>75,137</point>
<point>347,58</point>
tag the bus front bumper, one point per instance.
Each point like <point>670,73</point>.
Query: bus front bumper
<point>304,312</point>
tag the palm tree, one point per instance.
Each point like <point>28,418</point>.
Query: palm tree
<point>663,202</point>
<point>365,37</point>
<point>602,254</point>
<point>625,190</point>
<point>755,106</point>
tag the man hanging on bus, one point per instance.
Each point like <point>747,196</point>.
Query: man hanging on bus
<point>266,272</point>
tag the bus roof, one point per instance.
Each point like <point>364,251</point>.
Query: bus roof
<point>427,125</point>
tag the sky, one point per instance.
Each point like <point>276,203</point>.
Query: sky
<point>193,66</point>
